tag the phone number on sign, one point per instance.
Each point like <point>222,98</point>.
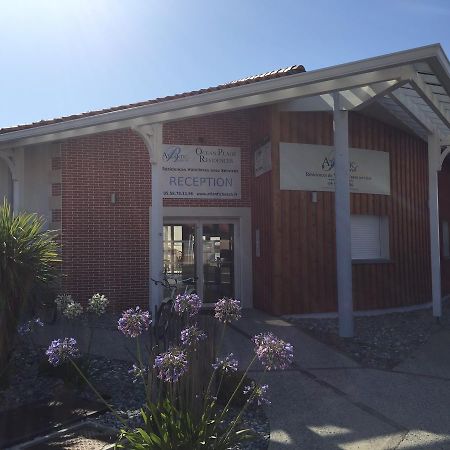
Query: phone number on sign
<point>177,193</point>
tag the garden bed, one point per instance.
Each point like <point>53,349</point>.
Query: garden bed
<point>380,341</point>
<point>28,384</point>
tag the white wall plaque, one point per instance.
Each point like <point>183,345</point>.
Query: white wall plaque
<point>263,159</point>
<point>202,172</point>
<point>306,167</point>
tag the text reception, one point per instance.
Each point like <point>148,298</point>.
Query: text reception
<point>193,171</point>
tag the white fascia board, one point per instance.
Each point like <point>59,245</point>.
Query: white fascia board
<point>171,111</point>
<point>262,92</point>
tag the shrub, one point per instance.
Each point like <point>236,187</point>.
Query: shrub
<point>28,257</point>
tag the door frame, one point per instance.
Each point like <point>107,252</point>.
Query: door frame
<point>241,219</point>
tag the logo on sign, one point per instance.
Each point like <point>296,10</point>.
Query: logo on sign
<point>328,164</point>
<point>174,154</point>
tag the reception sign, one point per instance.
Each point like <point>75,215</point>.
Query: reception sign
<point>307,167</point>
<point>202,172</point>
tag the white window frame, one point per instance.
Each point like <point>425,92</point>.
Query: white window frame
<point>381,227</point>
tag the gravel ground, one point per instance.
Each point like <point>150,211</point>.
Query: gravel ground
<point>28,384</point>
<point>381,341</point>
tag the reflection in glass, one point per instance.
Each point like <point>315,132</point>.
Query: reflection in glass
<point>218,261</point>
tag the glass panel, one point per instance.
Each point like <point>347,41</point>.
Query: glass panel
<point>218,261</point>
<point>179,258</point>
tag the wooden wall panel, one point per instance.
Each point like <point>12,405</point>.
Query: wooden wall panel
<point>304,232</point>
<point>444,212</point>
<point>262,215</point>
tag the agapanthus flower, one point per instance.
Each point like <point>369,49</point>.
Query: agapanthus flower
<point>257,392</point>
<point>227,310</point>
<point>273,352</point>
<point>138,372</point>
<point>187,303</point>
<point>72,310</point>
<point>29,326</point>
<point>134,322</point>
<point>171,365</point>
<point>97,304</point>
<point>227,364</point>
<point>62,349</point>
<point>192,335</point>
<point>62,300</point>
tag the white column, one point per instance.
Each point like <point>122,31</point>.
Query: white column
<point>343,225</point>
<point>434,154</point>
<point>152,135</point>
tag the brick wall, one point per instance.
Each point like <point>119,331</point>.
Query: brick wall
<point>105,245</point>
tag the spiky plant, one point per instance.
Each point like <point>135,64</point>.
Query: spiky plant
<point>28,256</point>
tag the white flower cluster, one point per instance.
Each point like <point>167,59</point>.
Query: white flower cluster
<point>73,310</point>
<point>68,307</point>
<point>97,304</point>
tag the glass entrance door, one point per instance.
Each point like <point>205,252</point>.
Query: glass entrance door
<point>202,250</point>
<point>218,261</point>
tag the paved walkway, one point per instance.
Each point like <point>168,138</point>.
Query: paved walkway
<point>327,401</point>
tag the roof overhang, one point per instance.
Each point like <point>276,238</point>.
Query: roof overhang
<point>397,81</point>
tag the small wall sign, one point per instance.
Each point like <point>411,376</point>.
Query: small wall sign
<point>263,159</point>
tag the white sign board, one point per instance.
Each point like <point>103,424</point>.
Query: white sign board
<point>263,159</point>
<point>306,167</point>
<point>194,171</point>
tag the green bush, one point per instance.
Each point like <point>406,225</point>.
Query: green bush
<point>28,257</point>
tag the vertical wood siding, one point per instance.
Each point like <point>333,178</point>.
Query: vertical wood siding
<point>304,232</point>
<point>261,215</point>
<point>444,212</point>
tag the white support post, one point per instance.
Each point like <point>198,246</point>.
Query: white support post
<point>434,154</point>
<point>343,224</point>
<point>152,135</point>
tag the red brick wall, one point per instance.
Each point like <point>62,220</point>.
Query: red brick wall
<point>105,245</point>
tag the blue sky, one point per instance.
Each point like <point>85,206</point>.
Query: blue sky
<point>61,57</point>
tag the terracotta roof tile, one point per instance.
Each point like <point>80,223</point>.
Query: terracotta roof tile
<point>291,70</point>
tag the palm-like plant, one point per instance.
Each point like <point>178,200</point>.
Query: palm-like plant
<point>28,256</point>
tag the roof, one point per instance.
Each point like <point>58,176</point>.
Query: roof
<point>413,86</point>
<point>291,70</point>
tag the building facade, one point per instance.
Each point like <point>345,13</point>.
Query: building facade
<point>298,192</point>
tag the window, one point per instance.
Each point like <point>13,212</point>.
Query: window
<point>445,240</point>
<point>370,237</point>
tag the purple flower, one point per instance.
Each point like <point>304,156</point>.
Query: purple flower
<point>171,365</point>
<point>62,349</point>
<point>228,364</point>
<point>29,326</point>
<point>192,335</point>
<point>134,322</point>
<point>137,372</point>
<point>227,310</point>
<point>187,303</point>
<point>257,393</point>
<point>272,352</point>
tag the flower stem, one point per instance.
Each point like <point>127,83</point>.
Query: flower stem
<point>122,421</point>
